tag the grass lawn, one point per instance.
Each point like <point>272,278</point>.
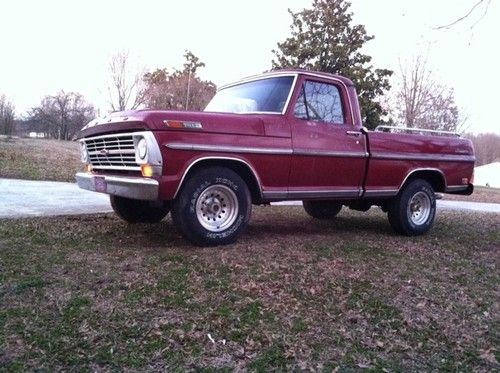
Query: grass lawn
<point>93,293</point>
<point>39,159</point>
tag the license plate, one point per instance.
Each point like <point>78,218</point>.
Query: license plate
<point>100,184</point>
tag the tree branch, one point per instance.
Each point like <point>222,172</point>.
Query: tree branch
<point>465,16</point>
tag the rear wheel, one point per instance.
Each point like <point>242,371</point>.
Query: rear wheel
<point>137,211</point>
<point>213,207</point>
<point>322,209</point>
<point>413,211</point>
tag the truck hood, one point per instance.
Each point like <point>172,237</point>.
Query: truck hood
<point>157,120</point>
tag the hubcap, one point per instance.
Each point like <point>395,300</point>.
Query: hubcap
<point>217,208</point>
<point>419,208</point>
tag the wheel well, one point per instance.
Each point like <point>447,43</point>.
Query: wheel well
<point>242,169</point>
<point>433,177</point>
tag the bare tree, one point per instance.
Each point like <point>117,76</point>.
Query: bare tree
<point>486,147</point>
<point>61,116</point>
<point>7,114</point>
<point>124,88</point>
<point>422,102</point>
<point>190,66</point>
<point>180,90</point>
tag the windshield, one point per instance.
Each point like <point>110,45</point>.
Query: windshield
<point>264,95</point>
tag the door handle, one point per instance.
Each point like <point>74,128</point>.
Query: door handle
<point>353,133</point>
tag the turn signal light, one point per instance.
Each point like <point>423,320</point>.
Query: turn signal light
<point>174,123</point>
<point>88,168</point>
<point>147,170</point>
<point>183,124</point>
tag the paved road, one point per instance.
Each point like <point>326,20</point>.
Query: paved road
<point>472,206</point>
<point>22,198</point>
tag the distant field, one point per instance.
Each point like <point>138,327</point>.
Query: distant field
<point>39,159</point>
<point>92,293</point>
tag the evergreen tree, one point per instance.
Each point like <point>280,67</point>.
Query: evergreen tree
<point>324,39</point>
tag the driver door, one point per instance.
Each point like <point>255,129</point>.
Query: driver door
<point>329,153</point>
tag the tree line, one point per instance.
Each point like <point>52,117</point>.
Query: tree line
<point>62,115</point>
<point>323,38</point>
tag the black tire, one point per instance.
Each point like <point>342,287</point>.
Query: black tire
<point>213,207</point>
<point>322,209</point>
<point>413,210</point>
<point>137,211</point>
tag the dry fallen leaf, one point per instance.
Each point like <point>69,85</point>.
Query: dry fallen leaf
<point>488,356</point>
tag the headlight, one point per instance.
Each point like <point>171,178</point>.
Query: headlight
<point>142,149</point>
<point>83,152</point>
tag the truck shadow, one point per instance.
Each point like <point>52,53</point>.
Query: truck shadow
<point>264,227</point>
<point>309,226</point>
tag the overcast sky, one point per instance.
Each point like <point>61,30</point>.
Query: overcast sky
<point>47,46</point>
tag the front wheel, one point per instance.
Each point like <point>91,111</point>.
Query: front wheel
<point>413,211</point>
<point>213,207</point>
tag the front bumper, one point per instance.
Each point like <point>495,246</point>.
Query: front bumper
<point>123,186</point>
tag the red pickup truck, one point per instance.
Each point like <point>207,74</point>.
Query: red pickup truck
<point>285,135</point>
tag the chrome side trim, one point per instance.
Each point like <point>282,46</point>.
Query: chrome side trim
<point>425,157</point>
<point>323,153</point>
<point>252,150</point>
<point>228,149</point>
<point>308,194</point>
<point>129,187</point>
<point>219,158</point>
<point>346,193</point>
<point>380,193</point>
<point>424,169</point>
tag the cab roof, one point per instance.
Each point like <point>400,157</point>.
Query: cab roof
<point>290,71</point>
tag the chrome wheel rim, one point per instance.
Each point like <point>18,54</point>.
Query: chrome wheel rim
<point>217,208</point>
<point>419,208</point>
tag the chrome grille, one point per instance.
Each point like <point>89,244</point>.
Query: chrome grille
<point>112,152</point>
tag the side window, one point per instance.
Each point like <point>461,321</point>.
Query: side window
<point>319,101</point>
